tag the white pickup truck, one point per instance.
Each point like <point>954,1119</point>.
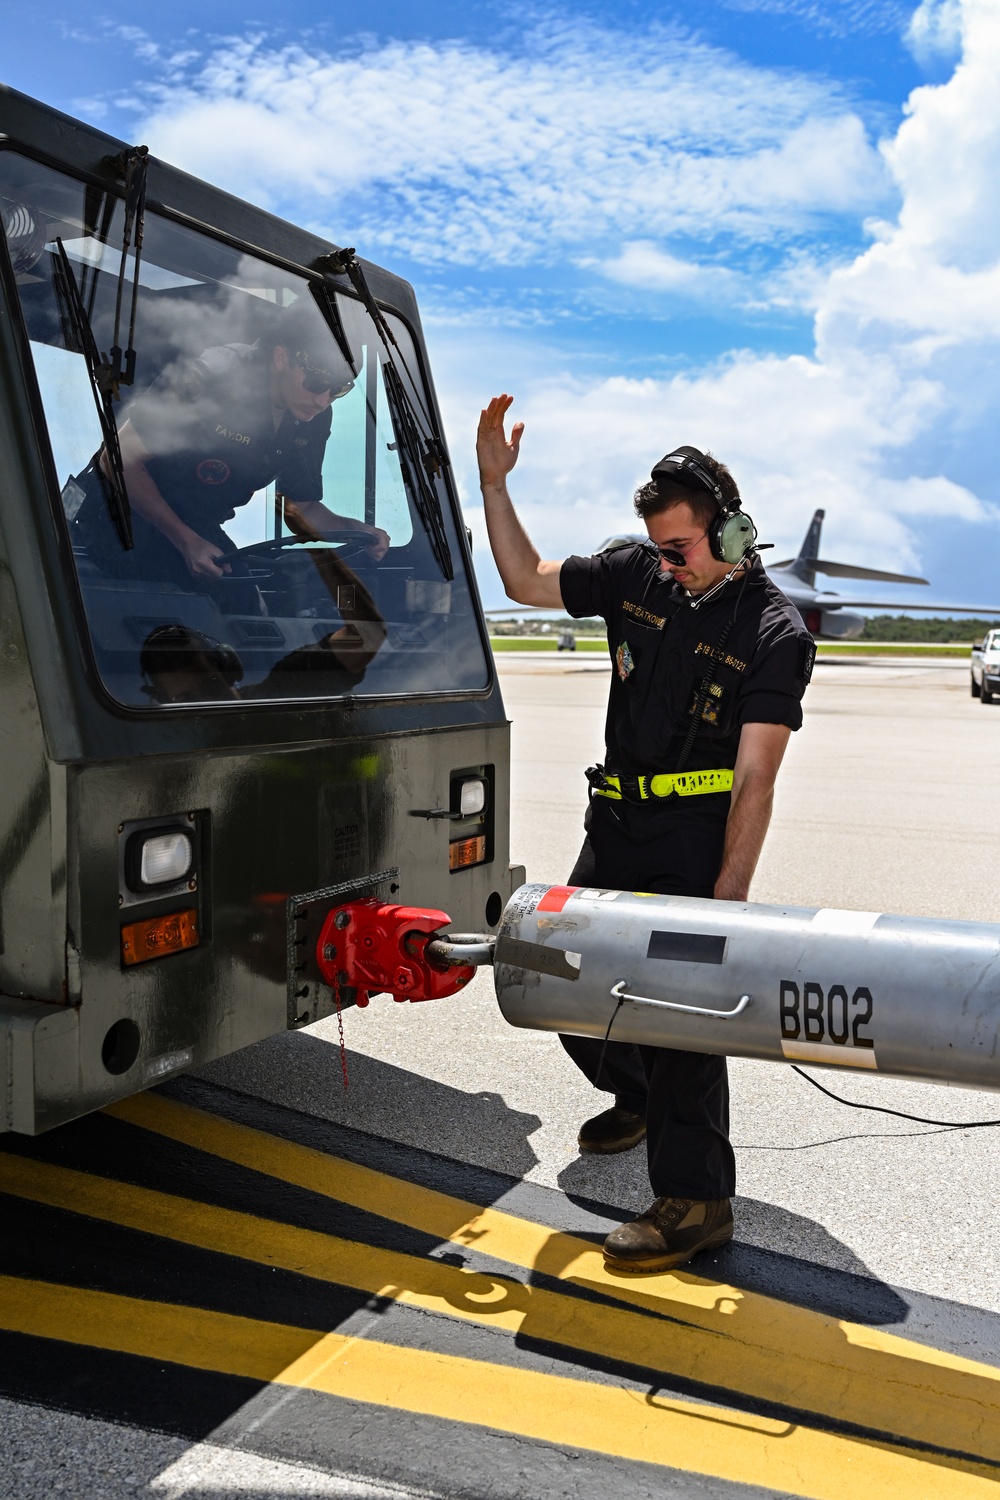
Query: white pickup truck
<point>984,666</point>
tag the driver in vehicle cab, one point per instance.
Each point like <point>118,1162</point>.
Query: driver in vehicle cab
<point>181,665</point>
<point>206,435</point>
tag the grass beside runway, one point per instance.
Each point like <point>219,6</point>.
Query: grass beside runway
<point>501,643</point>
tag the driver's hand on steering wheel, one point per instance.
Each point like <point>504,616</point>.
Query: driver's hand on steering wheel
<point>379,544</point>
<point>203,559</point>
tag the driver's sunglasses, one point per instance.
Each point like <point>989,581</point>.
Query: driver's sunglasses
<point>674,555</point>
<point>316,379</point>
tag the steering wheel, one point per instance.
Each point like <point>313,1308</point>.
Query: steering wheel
<point>355,544</point>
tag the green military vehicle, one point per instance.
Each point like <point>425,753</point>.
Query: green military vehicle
<point>247,691</point>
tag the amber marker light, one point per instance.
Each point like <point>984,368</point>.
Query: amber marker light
<point>157,936</point>
<point>465,852</point>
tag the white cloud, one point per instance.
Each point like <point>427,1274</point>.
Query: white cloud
<point>935,30</point>
<point>838,18</point>
<point>608,150</point>
<point>643,264</point>
<point>581,138</point>
<point>890,424</point>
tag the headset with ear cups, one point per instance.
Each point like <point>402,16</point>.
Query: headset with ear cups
<point>732,534</point>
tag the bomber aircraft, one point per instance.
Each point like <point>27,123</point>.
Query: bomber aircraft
<point>827,615</point>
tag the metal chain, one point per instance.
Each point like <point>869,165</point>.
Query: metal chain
<point>340,1028</point>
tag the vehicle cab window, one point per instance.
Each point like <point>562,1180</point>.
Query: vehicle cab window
<point>266,518</point>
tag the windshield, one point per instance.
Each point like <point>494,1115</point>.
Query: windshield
<point>290,536</point>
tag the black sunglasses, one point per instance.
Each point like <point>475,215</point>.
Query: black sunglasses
<point>316,379</point>
<point>673,556</point>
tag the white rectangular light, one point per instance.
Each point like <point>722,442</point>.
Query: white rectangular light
<point>165,858</point>
<point>472,798</point>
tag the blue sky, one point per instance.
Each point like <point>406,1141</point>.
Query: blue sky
<point>764,226</point>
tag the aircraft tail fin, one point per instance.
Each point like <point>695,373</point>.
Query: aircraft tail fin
<point>804,566</point>
<point>809,550</point>
<point>809,563</point>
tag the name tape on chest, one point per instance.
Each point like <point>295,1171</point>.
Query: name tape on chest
<point>234,437</point>
<point>703,648</point>
<point>643,615</point>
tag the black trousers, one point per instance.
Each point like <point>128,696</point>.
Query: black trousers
<point>684,1095</point>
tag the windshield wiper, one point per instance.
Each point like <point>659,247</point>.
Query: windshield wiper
<point>104,390</point>
<point>133,165</point>
<point>420,447</point>
<point>412,454</point>
<point>327,304</point>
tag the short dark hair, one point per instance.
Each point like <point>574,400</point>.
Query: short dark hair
<point>662,494</point>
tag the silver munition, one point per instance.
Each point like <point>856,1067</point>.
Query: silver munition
<point>908,996</point>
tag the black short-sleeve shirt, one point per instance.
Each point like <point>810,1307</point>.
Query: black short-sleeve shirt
<point>209,427</point>
<point>662,649</point>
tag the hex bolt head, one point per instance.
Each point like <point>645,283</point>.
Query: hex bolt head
<point>329,952</point>
<point>342,919</point>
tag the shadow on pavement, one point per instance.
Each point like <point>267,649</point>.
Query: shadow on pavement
<point>302,1073</point>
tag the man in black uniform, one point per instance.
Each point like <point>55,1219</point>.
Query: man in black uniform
<point>710,662</point>
<point>202,439</point>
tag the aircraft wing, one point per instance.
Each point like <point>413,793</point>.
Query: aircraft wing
<point>904,606</point>
<point>874,575</point>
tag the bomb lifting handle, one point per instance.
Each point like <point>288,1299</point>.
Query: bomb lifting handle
<point>618,993</point>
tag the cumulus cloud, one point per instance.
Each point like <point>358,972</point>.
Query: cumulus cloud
<point>694,176</point>
<point>643,264</point>
<point>935,30</point>
<point>455,153</point>
<point>890,423</point>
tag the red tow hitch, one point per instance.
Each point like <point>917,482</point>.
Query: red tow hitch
<point>374,948</point>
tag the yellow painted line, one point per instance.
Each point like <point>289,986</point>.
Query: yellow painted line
<point>628,1424</point>
<point>768,1348</point>
<point>156,1330</point>
<point>879,1389</point>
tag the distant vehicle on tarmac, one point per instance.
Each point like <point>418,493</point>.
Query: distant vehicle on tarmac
<point>984,665</point>
<point>245,678</point>
<point>567,641</point>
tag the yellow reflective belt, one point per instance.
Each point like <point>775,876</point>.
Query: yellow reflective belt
<point>683,783</point>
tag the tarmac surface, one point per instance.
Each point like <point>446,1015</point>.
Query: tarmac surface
<point>286,1289</point>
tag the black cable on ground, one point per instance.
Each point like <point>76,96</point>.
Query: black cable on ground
<point>880,1109</point>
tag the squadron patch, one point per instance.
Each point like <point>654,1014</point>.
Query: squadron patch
<point>213,471</point>
<point>624,661</point>
<point>710,707</point>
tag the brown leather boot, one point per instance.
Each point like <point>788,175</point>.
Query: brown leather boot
<point>669,1233</point>
<point>612,1130</point>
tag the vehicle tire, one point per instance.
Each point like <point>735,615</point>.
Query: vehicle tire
<point>974,687</point>
<point>984,693</point>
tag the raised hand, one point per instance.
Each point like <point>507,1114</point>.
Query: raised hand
<point>496,455</point>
